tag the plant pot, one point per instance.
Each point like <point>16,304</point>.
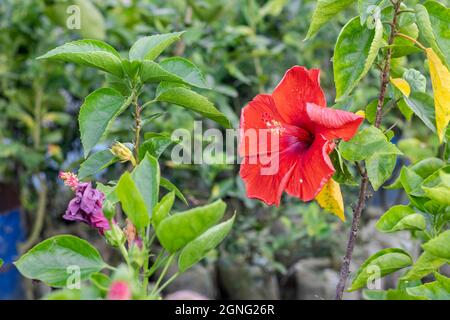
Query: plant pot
<point>11,234</point>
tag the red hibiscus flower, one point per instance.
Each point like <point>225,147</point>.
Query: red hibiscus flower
<point>305,130</point>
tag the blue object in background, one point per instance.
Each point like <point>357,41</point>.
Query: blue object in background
<point>11,234</point>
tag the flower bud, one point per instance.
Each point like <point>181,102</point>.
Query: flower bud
<point>109,210</point>
<point>137,253</point>
<point>119,290</point>
<point>122,152</point>
<point>115,237</point>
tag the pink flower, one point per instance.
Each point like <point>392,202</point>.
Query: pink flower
<point>87,207</point>
<point>119,290</point>
<point>70,179</point>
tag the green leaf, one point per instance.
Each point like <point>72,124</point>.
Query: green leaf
<point>423,106</point>
<point>51,260</point>
<point>403,47</point>
<point>371,111</point>
<point>403,284</point>
<point>198,248</point>
<point>152,72</point>
<point>423,168</point>
<point>355,51</point>
<point>394,294</point>
<point>439,16</point>
<point>96,163</point>
<point>374,294</point>
<point>368,8</point>
<point>97,113</point>
<point>414,150</point>
<point>164,86</point>
<point>186,70</point>
<point>400,217</point>
<point>439,246</point>
<point>155,145</point>
<point>391,294</point>
<point>425,264</point>
<point>118,84</point>
<point>426,30</point>
<point>166,184</point>
<point>109,191</point>
<point>179,229</point>
<point>342,174</point>
<point>101,281</point>
<point>379,169</point>
<point>436,290</point>
<point>427,167</point>
<point>92,21</point>
<point>385,261</point>
<point>162,208</point>
<point>411,182</point>
<point>1,262</point>
<point>146,176</point>
<point>195,102</point>
<point>207,11</point>
<point>324,12</point>
<point>405,109</point>
<point>151,47</point>
<point>64,294</point>
<point>92,53</point>
<point>399,51</point>
<point>416,80</point>
<point>132,201</point>
<point>437,186</point>
<point>367,143</point>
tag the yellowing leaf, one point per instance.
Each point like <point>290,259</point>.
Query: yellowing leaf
<point>330,198</point>
<point>402,85</point>
<point>440,81</point>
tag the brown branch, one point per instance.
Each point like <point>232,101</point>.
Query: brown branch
<point>357,211</point>
<point>353,235</point>
<point>387,66</point>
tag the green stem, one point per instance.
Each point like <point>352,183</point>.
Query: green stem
<point>122,248</point>
<point>157,264</point>
<point>43,190</point>
<point>163,273</point>
<point>40,215</point>
<point>148,103</point>
<point>124,252</point>
<point>421,46</point>
<point>167,283</point>
<point>138,122</point>
<point>145,280</point>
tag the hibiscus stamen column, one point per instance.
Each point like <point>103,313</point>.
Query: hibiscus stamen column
<point>357,211</point>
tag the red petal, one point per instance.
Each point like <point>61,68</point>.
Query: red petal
<point>261,127</point>
<point>267,188</point>
<point>333,123</point>
<point>312,171</point>
<point>298,87</point>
